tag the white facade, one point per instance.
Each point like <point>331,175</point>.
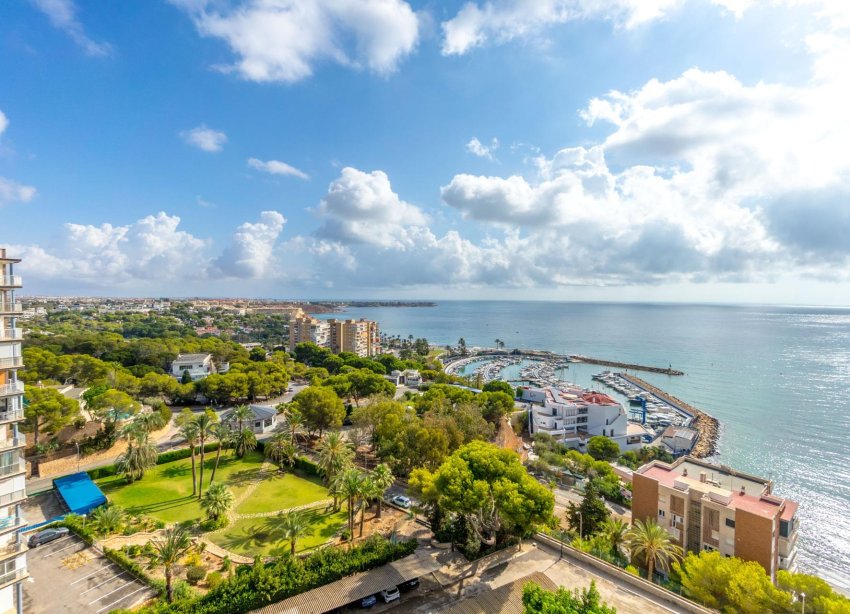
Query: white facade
<point>573,415</point>
<point>13,560</point>
<point>199,366</point>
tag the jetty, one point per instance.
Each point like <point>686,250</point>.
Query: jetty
<point>624,365</point>
<point>707,426</point>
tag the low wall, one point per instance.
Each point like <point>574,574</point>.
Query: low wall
<point>644,585</point>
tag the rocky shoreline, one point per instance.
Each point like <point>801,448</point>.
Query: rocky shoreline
<point>707,426</point>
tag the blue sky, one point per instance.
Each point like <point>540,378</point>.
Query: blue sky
<point>557,149</point>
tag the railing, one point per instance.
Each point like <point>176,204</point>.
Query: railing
<point>13,576</point>
<point>10,523</point>
<point>11,334</point>
<point>11,308</point>
<point>17,495</point>
<point>14,361</point>
<point>12,550</point>
<point>15,414</point>
<point>18,467</point>
<point>11,280</point>
<point>18,442</point>
<point>11,388</point>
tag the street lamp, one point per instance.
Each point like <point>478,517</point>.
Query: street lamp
<point>803,595</point>
<point>77,443</point>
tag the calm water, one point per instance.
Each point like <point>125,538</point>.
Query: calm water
<point>777,379</point>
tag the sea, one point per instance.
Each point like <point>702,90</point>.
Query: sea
<point>777,378</point>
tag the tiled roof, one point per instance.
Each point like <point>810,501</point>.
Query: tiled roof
<point>191,357</point>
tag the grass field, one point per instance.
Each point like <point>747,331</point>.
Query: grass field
<point>282,491</point>
<point>166,490</point>
<point>253,536</point>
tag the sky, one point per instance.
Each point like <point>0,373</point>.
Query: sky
<point>662,150</point>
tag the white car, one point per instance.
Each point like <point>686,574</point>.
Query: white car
<point>390,594</point>
<point>401,501</point>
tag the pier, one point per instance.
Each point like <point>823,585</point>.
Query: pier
<point>707,426</point>
<point>624,365</point>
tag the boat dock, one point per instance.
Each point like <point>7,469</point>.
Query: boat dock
<point>707,426</point>
<point>624,365</point>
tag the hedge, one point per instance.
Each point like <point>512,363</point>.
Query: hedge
<point>166,457</point>
<point>263,584</point>
<point>122,560</point>
<point>306,465</point>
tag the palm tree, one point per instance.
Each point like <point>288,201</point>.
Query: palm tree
<point>295,424</point>
<point>241,414</point>
<point>223,436</point>
<point>167,551</point>
<point>335,455</point>
<point>150,422</point>
<point>294,525</point>
<point>383,478</point>
<point>217,501</point>
<point>204,423</point>
<point>369,491</point>
<point>652,544</point>
<point>615,531</point>
<point>108,519</point>
<point>244,441</point>
<point>189,432</point>
<point>280,450</point>
<point>350,487</point>
<point>140,455</point>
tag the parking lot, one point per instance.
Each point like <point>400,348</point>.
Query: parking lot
<point>66,575</point>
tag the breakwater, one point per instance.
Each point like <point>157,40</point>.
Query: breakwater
<point>707,426</point>
<point>624,365</point>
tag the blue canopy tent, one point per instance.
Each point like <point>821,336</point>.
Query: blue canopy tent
<point>79,492</point>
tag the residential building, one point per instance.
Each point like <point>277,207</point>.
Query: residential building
<point>263,419</point>
<point>712,507</point>
<point>409,377</point>
<point>198,366</point>
<point>573,415</point>
<point>361,337</point>
<point>13,560</point>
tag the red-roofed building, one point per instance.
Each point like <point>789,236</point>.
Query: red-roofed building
<point>713,507</point>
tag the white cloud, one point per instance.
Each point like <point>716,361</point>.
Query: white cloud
<point>283,40</point>
<point>12,191</point>
<point>63,16</point>
<point>205,139</point>
<point>362,208</point>
<point>276,167</point>
<point>477,148</point>
<point>500,21</point>
<point>251,251</point>
<point>4,122</point>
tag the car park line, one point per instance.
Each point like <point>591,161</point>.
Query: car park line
<point>111,605</point>
<point>102,583</point>
<point>120,588</point>
<point>55,541</point>
<point>52,552</point>
<point>104,568</point>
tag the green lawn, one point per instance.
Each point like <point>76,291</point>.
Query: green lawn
<point>260,536</point>
<point>282,491</point>
<point>166,490</point>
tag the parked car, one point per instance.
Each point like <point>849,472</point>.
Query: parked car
<point>409,585</point>
<point>48,535</point>
<point>368,602</point>
<point>401,501</point>
<point>390,594</point>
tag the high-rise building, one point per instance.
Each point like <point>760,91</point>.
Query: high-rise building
<point>13,560</point>
<point>711,507</point>
<point>361,337</point>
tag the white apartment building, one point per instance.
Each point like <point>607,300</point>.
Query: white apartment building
<point>13,560</point>
<point>573,415</point>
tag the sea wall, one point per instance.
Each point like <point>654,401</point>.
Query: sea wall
<point>707,426</point>
<point>624,365</point>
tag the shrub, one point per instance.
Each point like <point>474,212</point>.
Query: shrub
<point>195,574</point>
<point>632,570</point>
<point>165,412</point>
<point>193,559</point>
<point>226,564</point>
<point>214,578</point>
<point>183,591</point>
<point>306,465</point>
<point>122,560</point>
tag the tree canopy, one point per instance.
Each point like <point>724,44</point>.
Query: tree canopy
<point>603,448</point>
<point>320,408</point>
<point>536,600</point>
<point>48,410</point>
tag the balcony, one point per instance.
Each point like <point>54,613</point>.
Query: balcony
<point>12,498</point>
<point>13,362</point>
<point>11,334</point>
<point>12,523</point>
<point>12,444</point>
<point>11,416</point>
<point>11,281</point>
<point>13,577</point>
<point>7,390</point>
<point>12,550</point>
<point>13,469</point>
<point>10,309</point>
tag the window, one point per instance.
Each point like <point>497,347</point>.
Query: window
<point>730,522</point>
<point>661,513</point>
